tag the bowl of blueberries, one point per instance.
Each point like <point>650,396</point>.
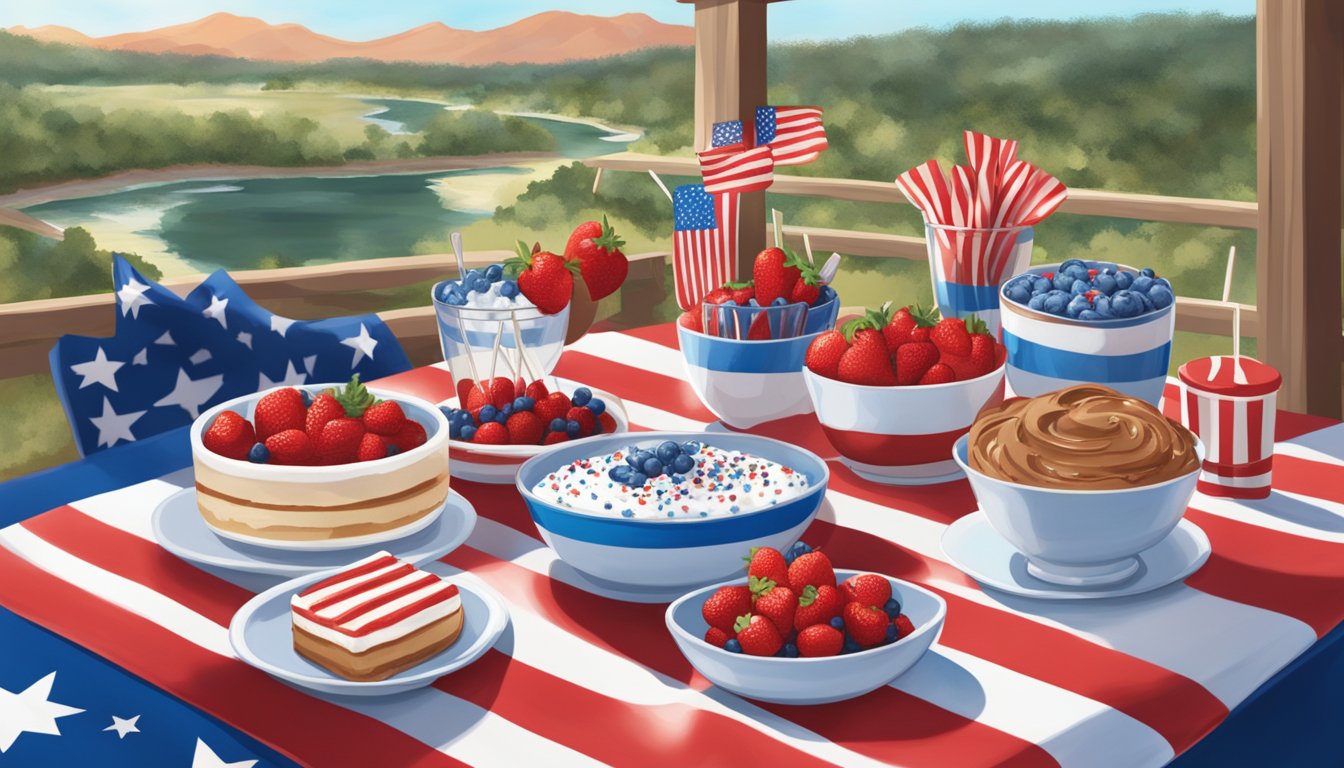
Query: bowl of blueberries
<point>1088,321</point>
<point>485,310</point>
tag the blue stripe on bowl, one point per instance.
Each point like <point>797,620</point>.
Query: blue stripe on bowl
<point>821,317</point>
<point>966,298</point>
<point>715,354</point>
<point>668,534</point>
<point>1078,366</point>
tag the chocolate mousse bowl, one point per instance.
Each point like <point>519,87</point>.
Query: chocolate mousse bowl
<point>1080,480</point>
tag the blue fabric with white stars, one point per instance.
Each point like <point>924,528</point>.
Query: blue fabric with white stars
<point>725,134</point>
<point>765,125</point>
<point>693,208</point>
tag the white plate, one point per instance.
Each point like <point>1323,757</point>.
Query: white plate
<point>972,545</point>
<point>261,633</point>
<point>180,529</point>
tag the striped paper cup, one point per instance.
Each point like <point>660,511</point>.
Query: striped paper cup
<point>901,435</point>
<point>745,383</point>
<point>1231,408</point>
<point>968,266</point>
<point>1047,352</point>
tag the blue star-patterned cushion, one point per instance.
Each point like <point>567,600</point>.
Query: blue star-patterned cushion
<point>172,358</point>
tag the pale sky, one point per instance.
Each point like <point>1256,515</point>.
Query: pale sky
<point>361,20</point>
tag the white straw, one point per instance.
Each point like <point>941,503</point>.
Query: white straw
<point>779,226</point>
<point>494,357</point>
<point>1227,280</point>
<point>1238,375</point>
<point>456,237</point>
<point>829,269</point>
<point>661,185</point>
<point>807,246</point>
<point>531,371</point>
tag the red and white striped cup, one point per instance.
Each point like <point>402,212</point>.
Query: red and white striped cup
<point>1230,405</point>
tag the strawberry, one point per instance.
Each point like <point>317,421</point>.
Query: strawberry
<point>759,330</point>
<point>325,407</point>
<point>813,568</point>
<point>807,288</point>
<point>607,422</point>
<point>867,362</point>
<point>547,280</point>
<point>229,435</point>
<point>718,295</point>
<point>554,406</point>
<point>817,605</point>
<point>587,421</point>
<point>903,325</point>
<point>983,355</point>
<point>492,433</point>
<point>903,626</point>
<point>411,436</point>
<point>951,337</point>
<point>758,635</point>
<point>778,604</point>
<point>820,640</point>
<point>774,272</point>
<point>553,437</point>
<point>597,249</point>
<point>939,373</point>
<point>725,605</point>
<point>692,321</point>
<point>767,563</point>
<point>913,360</point>
<point>478,396</point>
<point>384,418</point>
<point>292,447</point>
<point>339,441</point>
<point>278,411</point>
<point>464,388</point>
<point>742,293</point>
<point>1092,273</point>
<point>866,589</point>
<point>716,637</point>
<point>501,391</point>
<point>537,390</point>
<point>866,624</point>
<point>525,428</point>
<point>824,353</point>
<point>371,447</point>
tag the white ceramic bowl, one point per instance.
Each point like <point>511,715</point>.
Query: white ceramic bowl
<point>807,681</point>
<point>1077,537</point>
<point>498,464</point>
<point>745,383</point>
<point>901,435</point>
<point>358,494</point>
<point>633,553</point>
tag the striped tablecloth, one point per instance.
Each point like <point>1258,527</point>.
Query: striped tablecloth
<point>579,679</point>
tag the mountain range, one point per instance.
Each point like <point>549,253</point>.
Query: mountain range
<point>545,38</point>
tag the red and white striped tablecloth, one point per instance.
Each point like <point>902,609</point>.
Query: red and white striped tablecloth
<point>579,679</point>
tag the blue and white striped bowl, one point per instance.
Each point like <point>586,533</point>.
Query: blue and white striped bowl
<point>635,553</point>
<point>1047,352</point>
<point>745,383</point>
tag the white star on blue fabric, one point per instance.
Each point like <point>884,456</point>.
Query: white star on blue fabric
<point>30,711</point>
<point>201,355</point>
<point>99,370</point>
<point>363,344</point>
<point>216,310</point>
<point>166,339</point>
<point>132,297</point>
<point>205,757</point>
<point>245,339</point>
<point>291,378</point>
<point>141,357</point>
<point>192,394</point>
<point>123,725</point>
<point>309,362</point>
<point>280,325</point>
<point>113,426</point>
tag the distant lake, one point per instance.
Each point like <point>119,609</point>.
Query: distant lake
<point>238,223</point>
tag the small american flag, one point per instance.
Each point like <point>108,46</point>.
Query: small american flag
<point>794,133</point>
<point>704,246</point>
<point>735,168</point>
<point>726,133</point>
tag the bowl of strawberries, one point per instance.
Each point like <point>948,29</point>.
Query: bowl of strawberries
<point>894,390</point>
<point>797,631</point>
<point>506,422</point>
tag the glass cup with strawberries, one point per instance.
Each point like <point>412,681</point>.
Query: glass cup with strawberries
<point>893,390</point>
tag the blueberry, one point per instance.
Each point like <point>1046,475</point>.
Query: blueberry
<point>1148,305</point>
<point>1162,281</point>
<point>851,645</point>
<point>1141,284</point>
<point>468,433</point>
<point>1147,272</point>
<point>487,413</point>
<point>508,289</point>
<point>652,466</point>
<point>523,403</point>
<point>1088,314</point>
<point>638,478</point>
<point>1076,305</point>
<point>573,428</point>
<point>471,276</point>
<point>801,547</point>
<point>620,474</point>
<point>507,410</point>
<point>448,412</point>
<point>581,396</point>
<point>667,451</point>
<point>457,299</point>
<point>892,632</point>
<point>1056,302</point>
<point>1104,283</point>
<point>1063,281</point>
<point>838,623</point>
<point>1080,287</point>
<point>259,454</point>
<point>494,273</point>
<point>690,448</point>
<point>1161,296</point>
<point>790,651</point>
<point>1102,306</point>
<point>779,301</point>
<point>1067,263</point>
<point>1078,272</point>
<point>682,464</point>
<point>393,450</point>
<point>502,417</point>
<point>1019,294</point>
<point>558,424</point>
<point>1123,280</point>
<point>732,646</point>
<point>1126,304</point>
<point>597,406</point>
<point>892,608</point>
<point>480,285</point>
<point>1041,284</point>
<point>631,458</point>
<point>1037,302</point>
<point>454,429</point>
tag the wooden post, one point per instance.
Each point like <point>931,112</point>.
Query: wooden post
<point>729,84</point>
<point>1299,58</point>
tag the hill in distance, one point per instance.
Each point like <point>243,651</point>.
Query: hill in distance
<point>545,38</point>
